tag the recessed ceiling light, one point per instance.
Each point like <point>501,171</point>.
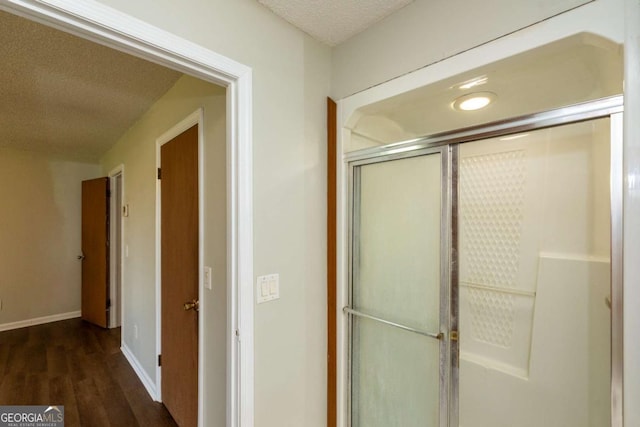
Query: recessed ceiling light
<point>477,81</point>
<point>473,101</point>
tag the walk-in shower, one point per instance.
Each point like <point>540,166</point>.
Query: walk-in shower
<point>480,274</point>
<point>483,251</point>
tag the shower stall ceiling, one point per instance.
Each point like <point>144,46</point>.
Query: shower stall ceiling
<point>534,278</point>
<point>579,68</point>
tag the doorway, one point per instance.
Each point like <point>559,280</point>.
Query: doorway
<point>482,276</point>
<point>114,29</point>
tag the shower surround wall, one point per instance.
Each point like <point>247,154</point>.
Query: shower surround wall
<point>534,279</point>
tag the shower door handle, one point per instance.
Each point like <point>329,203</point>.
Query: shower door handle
<point>437,336</point>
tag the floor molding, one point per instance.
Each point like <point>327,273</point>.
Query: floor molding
<point>140,372</point>
<point>39,320</point>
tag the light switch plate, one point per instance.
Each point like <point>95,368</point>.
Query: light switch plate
<point>267,288</point>
<point>207,277</point>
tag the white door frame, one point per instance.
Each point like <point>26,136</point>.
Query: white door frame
<point>114,215</point>
<point>195,118</point>
<point>107,26</point>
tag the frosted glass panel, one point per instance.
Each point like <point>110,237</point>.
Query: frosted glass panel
<point>395,378</point>
<point>399,262</point>
<point>395,373</point>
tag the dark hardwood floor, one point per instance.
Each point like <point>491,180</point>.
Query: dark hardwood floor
<point>80,366</point>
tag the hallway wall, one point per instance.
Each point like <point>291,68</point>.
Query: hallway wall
<point>136,150</point>
<point>40,213</point>
<point>291,75</point>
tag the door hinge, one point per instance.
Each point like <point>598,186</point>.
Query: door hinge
<point>159,360</point>
<point>159,173</point>
<point>109,303</point>
<point>108,193</point>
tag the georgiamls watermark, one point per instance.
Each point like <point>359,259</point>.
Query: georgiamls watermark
<point>31,416</point>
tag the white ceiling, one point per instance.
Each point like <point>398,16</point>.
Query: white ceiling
<point>334,21</point>
<point>68,96</point>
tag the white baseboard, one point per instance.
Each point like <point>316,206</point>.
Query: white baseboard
<point>139,370</point>
<point>39,320</point>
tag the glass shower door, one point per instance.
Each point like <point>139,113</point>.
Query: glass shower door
<point>399,291</point>
<point>535,287</point>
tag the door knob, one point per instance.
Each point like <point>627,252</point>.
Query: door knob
<point>192,305</point>
<point>81,257</point>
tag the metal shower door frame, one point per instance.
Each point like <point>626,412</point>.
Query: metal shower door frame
<point>444,320</point>
<point>447,143</point>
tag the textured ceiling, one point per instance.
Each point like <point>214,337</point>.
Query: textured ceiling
<point>64,95</point>
<point>334,21</point>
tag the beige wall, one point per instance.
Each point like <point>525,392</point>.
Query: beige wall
<point>136,150</point>
<point>290,83</point>
<point>426,32</point>
<point>40,217</point>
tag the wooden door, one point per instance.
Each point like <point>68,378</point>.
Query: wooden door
<point>179,249</point>
<point>95,250</point>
